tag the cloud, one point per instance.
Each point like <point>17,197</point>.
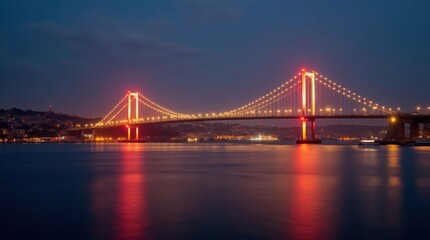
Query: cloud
<point>51,29</point>
<point>156,25</point>
<point>22,66</point>
<point>227,13</point>
<point>114,42</point>
<point>212,9</point>
<point>140,43</point>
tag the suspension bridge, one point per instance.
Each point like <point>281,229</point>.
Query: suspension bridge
<point>307,96</point>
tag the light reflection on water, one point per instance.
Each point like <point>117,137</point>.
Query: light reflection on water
<point>215,191</point>
<point>312,211</point>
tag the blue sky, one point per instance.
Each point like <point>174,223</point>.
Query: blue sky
<point>207,55</point>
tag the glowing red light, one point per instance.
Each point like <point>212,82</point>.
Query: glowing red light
<point>303,70</point>
<point>127,126</point>
<point>302,118</point>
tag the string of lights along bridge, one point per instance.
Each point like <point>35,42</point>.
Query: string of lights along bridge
<point>306,96</point>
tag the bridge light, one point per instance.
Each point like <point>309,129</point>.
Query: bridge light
<point>303,119</point>
<point>127,126</point>
<point>393,119</point>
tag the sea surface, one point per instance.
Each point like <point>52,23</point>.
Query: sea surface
<point>213,191</point>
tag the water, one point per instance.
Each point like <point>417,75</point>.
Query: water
<point>214,191</point>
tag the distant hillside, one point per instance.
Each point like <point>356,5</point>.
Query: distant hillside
<point>17,112</point>
<point>18,123</point>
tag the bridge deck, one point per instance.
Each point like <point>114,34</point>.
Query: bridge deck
<point>205,119</point>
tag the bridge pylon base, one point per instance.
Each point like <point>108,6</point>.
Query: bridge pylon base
<point>305,139</point>
<point>308,141</point>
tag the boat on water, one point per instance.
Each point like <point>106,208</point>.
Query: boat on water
<point>368,142</point>
<point>421,141</point>
<point>261,138</point>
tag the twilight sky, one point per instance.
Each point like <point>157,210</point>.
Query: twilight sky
<point>207,55</point>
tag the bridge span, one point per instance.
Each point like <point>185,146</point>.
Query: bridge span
<point>307,96</point>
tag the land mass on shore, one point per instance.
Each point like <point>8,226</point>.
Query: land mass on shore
<point>28,124</point>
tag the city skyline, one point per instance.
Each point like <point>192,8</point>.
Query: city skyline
<point>207,55</point>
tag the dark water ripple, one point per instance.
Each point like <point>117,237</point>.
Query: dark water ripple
<point>214,191</point>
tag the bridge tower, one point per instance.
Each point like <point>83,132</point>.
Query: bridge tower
<point>133,97</point>
<point>308,107</point>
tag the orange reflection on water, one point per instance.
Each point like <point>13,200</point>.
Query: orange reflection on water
<point>131,208</point>
<point>310,218</point>
<point>393,165</point>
